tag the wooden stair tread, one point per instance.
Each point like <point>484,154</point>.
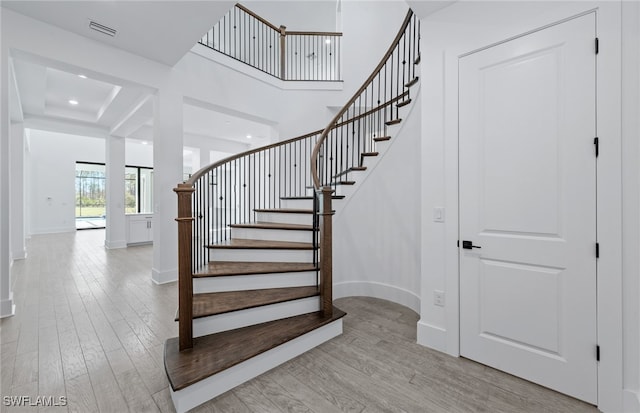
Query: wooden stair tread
<point>349,170</point>
<point>393,122</point>
<point>382,138</point>
<point>229,268</point>
<point>412,82</point>
<point>273,225</point>
<point>403,103</point>
<point>217,352</point>
<point>208,304</point>
<point>369,154</point>
<point>286,210</point>
<point>343,183</point>
<point>240,243</point>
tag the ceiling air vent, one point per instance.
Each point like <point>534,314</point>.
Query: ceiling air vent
<point>102,28</point>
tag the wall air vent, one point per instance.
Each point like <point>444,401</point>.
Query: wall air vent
<point>102,28</point>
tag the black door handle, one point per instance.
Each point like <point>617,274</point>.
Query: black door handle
<point>467,245</point>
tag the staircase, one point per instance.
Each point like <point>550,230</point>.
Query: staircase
<point>255,239</point>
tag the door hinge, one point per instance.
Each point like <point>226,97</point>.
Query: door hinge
<point>597,250</point>
<point>597,45</point>
<point>596,143</point>
<point>597,353</point>
<point>458,243</point>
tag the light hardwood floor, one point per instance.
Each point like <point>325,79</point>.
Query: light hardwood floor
<point>90,325</point>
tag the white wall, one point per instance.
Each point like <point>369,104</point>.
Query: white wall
<point>137,154</point>
<point>376,230</point>
<point>368,30</point>
<point>52,171</point>
<point>313,15</point>
<point>467,26</point>
<point>631,202</point>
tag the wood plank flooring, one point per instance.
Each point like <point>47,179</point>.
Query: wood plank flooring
<point>90,325</point>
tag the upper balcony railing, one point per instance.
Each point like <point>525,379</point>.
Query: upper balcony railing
<point>287,55</point>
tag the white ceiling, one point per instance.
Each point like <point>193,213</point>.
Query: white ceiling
<point>160,30</point>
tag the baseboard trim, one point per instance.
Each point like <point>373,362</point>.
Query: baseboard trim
<point>164,277</point>
<point>211,387</point>
<point>377,290</point>
<point>18,255</point>
<point>630,401</point>
<point>114,245</point>
<point>7,307</point>
<point>432,336</point>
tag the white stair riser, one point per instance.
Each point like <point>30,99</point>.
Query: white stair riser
<point>285,218</point>
<point>272,234</point>
<point>260,255</point>
<point>254,282</point>
<point>242,318</point>
<point>213,386</point>
<point>297,203</point>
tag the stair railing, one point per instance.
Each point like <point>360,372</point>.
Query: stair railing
<point>229,191</point>
<point>287,55</point>
<point>356,129</point>
<point>373,107</point>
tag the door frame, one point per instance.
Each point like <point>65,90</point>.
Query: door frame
<point>609,200</point>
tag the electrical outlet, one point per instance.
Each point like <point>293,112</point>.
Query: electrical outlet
<point>438,298</point>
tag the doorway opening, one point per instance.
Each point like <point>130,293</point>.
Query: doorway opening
<point>90,195</point>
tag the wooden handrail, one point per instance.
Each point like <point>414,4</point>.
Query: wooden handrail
<point>197,175</point>
<point>345,108</point>
<point>261,19</point>
<point>270,51</point>
<point>285,32</point>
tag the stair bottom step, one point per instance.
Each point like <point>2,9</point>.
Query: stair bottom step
<point>222,361</point>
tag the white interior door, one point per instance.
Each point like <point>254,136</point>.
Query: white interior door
<point>528,200</point>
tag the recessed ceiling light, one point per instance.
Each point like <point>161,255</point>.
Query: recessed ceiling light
<point>145,142</point>
<point>82,76</point>
<point>73,102</point>
<point>248,136</point>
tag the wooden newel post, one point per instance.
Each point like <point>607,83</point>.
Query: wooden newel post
<point>283,47</point>
<point>326,254</point>
<point>185,283</point>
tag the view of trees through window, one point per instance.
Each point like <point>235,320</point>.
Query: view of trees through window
<point>90,190</point>
<point>138,184</point>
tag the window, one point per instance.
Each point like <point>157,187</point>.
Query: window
<point>138,184</point>
<point>90,190</point>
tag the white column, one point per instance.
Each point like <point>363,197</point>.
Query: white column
<point>115,236</point>
<point>167,173</point>
<point>7,308</point>
<point>205,157</point>
<point>17,189</point>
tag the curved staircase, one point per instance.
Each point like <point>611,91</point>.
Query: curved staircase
<point>255,239</point>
